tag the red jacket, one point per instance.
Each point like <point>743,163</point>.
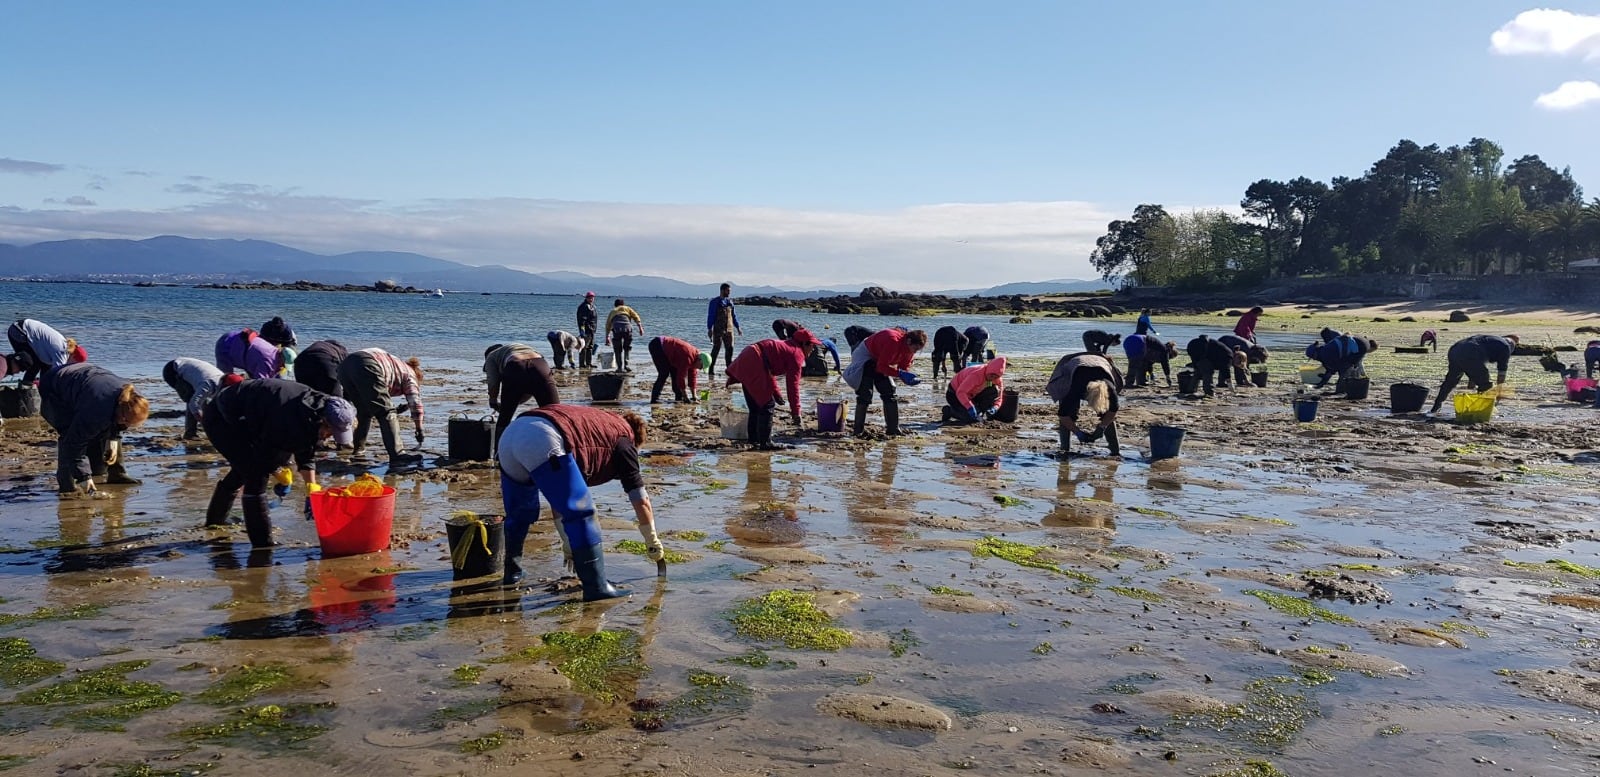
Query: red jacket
<point>600,440</point>
<point>684,359</point>
<point>758,366</point>
<point>890,352</point>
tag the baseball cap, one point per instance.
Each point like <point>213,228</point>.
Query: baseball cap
<point>589,294</point>
<point>341,415</point>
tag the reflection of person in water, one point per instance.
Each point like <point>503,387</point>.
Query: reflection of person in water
<point>873,500</point>
<point>1074,510</point>
<point>77,517</point>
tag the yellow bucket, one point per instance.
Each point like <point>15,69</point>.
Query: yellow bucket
<point>1310,374</point>
<point>1474,408</point>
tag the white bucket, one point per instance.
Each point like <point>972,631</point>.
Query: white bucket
<point>606,360</point>
<point>735,424</point>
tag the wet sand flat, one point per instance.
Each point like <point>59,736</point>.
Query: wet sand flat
<point>1363,592</point>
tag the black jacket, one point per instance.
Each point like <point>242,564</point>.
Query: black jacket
<point>318,366</point>
<point>274,417</point>
<point>79,401</point>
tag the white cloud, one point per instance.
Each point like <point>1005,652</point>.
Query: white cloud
<point>948,245</point>
<point>1548,31</point>
<point>1569,95</point>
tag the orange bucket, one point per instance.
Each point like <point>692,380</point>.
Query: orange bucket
<point>348,525</point>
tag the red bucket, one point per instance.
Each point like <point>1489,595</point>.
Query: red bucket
<point>348,525</point>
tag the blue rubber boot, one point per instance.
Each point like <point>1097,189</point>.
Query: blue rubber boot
<point>522,510</point>
<point>562,483</point>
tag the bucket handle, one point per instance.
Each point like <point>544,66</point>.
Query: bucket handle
<point>467,414</point>
<point>458,555</point>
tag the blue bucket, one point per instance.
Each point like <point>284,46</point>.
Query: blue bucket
<point>1165,442</point>
<point>1305,410</point>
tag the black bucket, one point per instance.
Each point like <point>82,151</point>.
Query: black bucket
<point>476,549</point>
<point>1186,382</point>
<point>605,386</point>
<point>19,402</point>
<point>1259,378</point>
<point>470,439</point>
<point>1407,397</point>
<point>1008,407</point>
<point>1357,388</point>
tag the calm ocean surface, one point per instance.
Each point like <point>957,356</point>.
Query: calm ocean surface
<point>134,331</point>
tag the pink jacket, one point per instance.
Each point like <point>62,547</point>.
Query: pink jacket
<point>758,366</point>
<point>1246,327</point>
<point>889,351</point>
<point>971,381</point>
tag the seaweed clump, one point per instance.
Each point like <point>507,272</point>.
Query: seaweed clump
<point>790,617</point>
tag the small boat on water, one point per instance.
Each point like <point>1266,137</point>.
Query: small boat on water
<point>437,293</point>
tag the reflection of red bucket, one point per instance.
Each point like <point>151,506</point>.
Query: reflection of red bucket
<point>348,525</point>
<point>348,592</point>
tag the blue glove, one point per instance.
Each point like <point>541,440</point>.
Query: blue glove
<point>972,412</point>
<point>909,378</point>
<point>281,489</point>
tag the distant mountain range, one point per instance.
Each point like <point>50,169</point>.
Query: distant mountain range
<point>187,260</point>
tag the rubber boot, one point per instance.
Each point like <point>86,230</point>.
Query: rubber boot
<point>117,475</point>
<point>860,426</point>
<point>221,503</point>
<point>1065,436</point>
<point>521,502</point>
<point>1111,440</point>
<point>627,359</point>
<point>590,565</point>
<point>257,521</point>
<point>891,418</point>
<point>389,429</point>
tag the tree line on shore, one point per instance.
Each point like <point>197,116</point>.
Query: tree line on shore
<point>1418,209</point>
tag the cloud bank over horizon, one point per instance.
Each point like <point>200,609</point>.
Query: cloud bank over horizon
<point>948,245</point>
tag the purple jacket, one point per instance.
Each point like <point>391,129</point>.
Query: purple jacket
<point>244,350</point>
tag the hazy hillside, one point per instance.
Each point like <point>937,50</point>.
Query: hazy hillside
<point>190,260</point>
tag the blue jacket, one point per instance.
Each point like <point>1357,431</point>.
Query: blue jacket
<point>1134,346</point>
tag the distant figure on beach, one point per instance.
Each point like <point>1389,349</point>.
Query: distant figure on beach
<point>259,426</point>
<point>1144,327</point>
<point>757,369</point>
<point>619,335</point>
<point>564,348</point>
<point>195,381</point>
<point>588,319</point>
<point>370,377</point>
<point>885,355</point>
<point>1210,358</point>
<point>38,348</point>
<point>560,452</point>
<point>1470,356</point>
<point>516,373</point>
<point>855,333</point>
<point>1246,325</point>
<point>784,329</point>
<point>90,408</point>
<point>680,362</point>
<point>1341,357</point>
<point>1080,378</point>
<point>948,341</point>
<point>318,366</point>
<point>278,332</point>
<point>1430,337</point>
<point>722,322</point>
<point>975,392</point>
<point>249,352</point>
<point>1591,358</point>
<point>1100,341</point>
<point>977,345</point>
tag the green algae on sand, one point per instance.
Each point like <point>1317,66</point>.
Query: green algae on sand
<point>710,694</point>
<point>598,664</point>
<point>790,617</point>
<point>756,658</point>
<point>1027,556</point>
<point>246,682</point>
<point>1270,717</point>
<point>1136,593</point>
<point>1298,607</point>
<point>41,614</point>
<point>20,665</point>
<point>268,727</point>
<point>129,698</point>
<point>638,548</point>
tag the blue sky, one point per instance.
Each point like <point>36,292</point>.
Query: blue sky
<point>916,144</point>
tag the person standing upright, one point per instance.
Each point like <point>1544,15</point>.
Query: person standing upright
<point>619,334</point>
<point>588,320</point>
<point>722,321</point>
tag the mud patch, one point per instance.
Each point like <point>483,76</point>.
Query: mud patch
<point>885,711</point>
